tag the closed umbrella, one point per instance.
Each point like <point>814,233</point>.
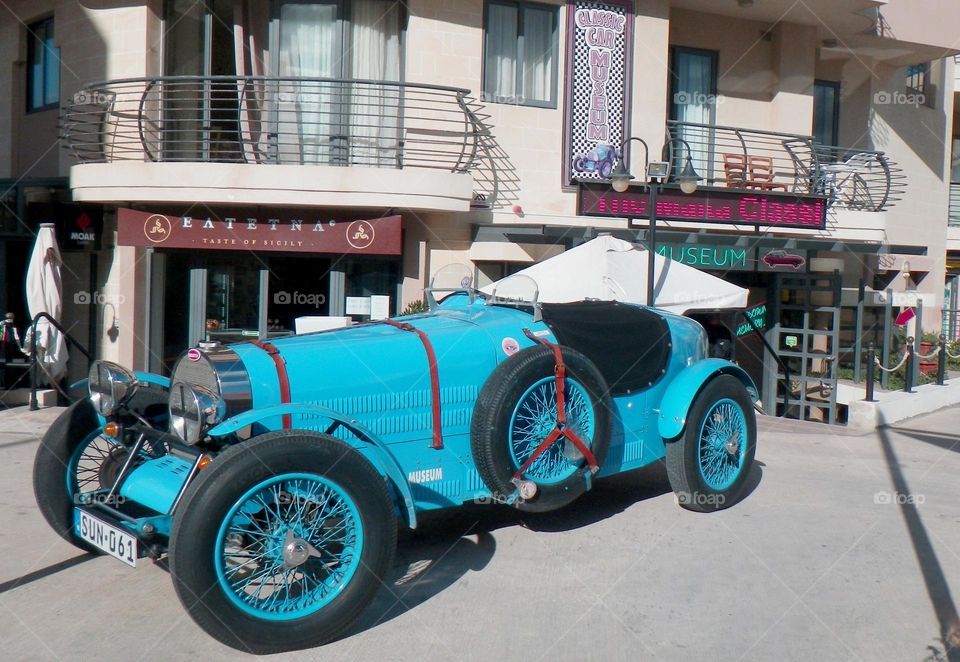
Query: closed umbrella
<point>45,295</point>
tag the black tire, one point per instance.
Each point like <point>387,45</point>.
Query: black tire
<point>492,414</point>
<point>209,499</point>
<point>56,502</point>
<point>692,489</point>
<point>71,429</point>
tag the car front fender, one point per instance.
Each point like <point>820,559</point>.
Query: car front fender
<point>684,388</point>
<point>374,449</point>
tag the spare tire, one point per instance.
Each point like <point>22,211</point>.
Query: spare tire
<point>517,409</point>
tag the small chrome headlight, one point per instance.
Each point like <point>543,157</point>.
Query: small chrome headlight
<point>110,386</point>
<point>193,411</point>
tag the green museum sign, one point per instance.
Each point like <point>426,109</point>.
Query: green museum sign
<point>731,258</point>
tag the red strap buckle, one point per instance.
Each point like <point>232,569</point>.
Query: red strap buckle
<point>562,430</point>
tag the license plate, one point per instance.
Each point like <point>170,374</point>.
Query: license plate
<point>115,542</point>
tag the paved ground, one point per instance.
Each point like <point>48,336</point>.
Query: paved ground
<point>847,548</point>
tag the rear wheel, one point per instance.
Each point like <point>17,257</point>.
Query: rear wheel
<point>282,542</point>
<point>709,463</point>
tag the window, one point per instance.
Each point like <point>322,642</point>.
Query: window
<point>521,52</point>
<point>43,67</point>
<point>917,76</point>
<point>826,111</point>
<point>693,100</point>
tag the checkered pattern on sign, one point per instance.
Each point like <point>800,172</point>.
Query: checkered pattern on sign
<point>582,87</point>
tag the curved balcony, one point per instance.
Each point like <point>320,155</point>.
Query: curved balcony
<point>185,138</point>
<point>753,160</point>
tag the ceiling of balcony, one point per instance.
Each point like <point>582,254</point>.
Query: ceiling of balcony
<point>833,17</point>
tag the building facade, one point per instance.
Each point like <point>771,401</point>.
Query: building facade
<point>222,168</point>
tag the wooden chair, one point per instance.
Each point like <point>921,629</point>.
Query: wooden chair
<point>760,174</point>
<point>735,170</point>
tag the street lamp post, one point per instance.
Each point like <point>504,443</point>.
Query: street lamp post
<point>655,172</point>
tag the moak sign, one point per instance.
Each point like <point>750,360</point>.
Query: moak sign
<point>288,231</point>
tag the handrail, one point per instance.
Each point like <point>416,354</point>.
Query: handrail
<point>34,354</point>
<point>764,160</point>
<point>275,120</point>
<point>267,79</point>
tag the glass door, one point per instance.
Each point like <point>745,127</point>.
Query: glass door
<point>350,118</point>
<point>693,95</point>
<point>310,46</point>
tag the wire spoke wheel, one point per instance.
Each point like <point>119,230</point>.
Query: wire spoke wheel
<point>535,417</point>
<point>288,546</point>
<point>723,444</point>
<point>709,463</point>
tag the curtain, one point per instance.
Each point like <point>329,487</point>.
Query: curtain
<point>308,48</point>
<point>693,101</point>
<point>374,109</point>
<point>501,64</point>
<point>538,49</point>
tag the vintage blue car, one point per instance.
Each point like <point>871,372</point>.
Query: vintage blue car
<point>273,476</point>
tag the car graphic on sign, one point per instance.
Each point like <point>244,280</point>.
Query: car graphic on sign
<point>781,258</point>
<point>600,160</point>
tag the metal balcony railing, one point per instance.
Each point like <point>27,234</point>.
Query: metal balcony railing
<point>275,120</point>
<point>953,214</point>
<point>754,160</point>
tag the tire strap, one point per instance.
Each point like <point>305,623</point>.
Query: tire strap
<point>562,429</point>
<point>282,378</point>
<point>434,378</point>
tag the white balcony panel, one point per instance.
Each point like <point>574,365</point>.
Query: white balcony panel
<point>250,184</point>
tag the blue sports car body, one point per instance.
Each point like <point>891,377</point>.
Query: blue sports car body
<point>274,475</point>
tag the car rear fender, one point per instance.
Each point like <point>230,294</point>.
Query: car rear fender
<point>375,450</point>
<point>684,388</point>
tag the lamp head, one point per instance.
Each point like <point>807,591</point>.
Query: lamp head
<point>620,178</point>
<point>688,178</point>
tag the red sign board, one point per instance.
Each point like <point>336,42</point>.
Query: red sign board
<point>709,206</point>
<point>286,231</point>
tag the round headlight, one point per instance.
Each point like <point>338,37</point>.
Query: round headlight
<point>110,386</point>
<point>193,410</point>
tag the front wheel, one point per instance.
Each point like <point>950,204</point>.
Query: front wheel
<point>282,542</point>
<point>709,463</point>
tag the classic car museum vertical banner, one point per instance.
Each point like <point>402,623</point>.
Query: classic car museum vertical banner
<point>597,97</point>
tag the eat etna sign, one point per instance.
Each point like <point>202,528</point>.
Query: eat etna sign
<point>707,205</point>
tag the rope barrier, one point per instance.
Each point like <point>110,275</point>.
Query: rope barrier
<point>876,359</point>
<point>955,357</point>
<point>928,356</point>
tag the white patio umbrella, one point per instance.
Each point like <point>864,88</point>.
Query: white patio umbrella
<point>45,295</point>
<point>611,269</point>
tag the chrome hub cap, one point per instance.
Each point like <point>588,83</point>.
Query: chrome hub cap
<point>296,550</point>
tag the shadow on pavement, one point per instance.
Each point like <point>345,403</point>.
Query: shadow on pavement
<point>948,442</point>
<point>447,545</point>
<point>930,567</point>
<point>44,572</point>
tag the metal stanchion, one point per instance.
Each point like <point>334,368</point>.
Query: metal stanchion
<point>871,366</point>
<point>908,373</point>
<point>942,360</point>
